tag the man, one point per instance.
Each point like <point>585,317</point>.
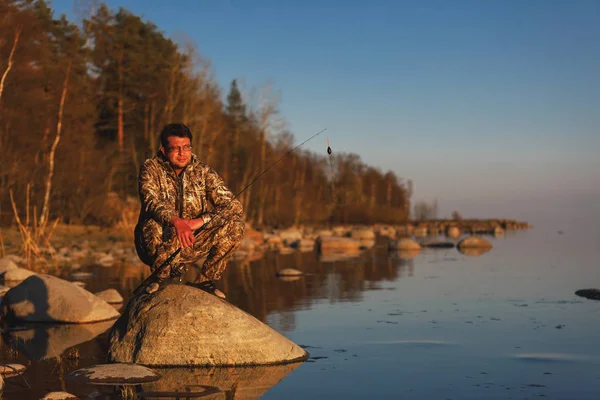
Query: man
<point>175,191</point>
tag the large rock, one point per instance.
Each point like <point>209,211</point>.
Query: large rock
<point>592,294</point>
<point>46,341</point>
<point>46,298</point>
<point>404,244</point>
<point>183,326</point>
<point>60,396</point>
<point>6,264</point>
<point>17,274</point>
<point>290,236</point>
<point>243,383</point>
<point>474,242</point>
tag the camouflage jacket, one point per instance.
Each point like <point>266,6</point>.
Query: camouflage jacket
<point>164,194</point>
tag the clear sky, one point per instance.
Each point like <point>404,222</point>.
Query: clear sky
<point>492,107</point>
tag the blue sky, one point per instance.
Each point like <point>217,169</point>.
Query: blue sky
<point>492,107</point>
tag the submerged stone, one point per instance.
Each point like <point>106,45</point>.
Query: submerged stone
<point>46,298</point>
<point>118,374</point>
<point>183,326</point>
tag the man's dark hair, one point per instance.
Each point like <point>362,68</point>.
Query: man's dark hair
<point>179,130</point>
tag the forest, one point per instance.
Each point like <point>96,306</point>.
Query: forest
<point>82,104</point>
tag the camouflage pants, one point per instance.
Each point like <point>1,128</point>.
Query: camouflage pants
<point>215,242</point>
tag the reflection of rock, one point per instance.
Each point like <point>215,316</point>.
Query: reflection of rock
<point>438,245</point>
<point>240,383</point>
<point>42,341</point>
<point>474,251</point>
<point>407,254</point>
<point>592,294</point>
<point>338,255</point>
<point>46,298</point>
<point>184,326</point>
<point>289,272</point>
<point>122,374</point>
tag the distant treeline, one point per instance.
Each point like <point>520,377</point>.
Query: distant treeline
<point>81,106</point>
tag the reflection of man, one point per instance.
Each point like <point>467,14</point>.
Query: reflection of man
<point>175,191</point>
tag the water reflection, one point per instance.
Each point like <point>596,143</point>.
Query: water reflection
<point>232,383</point>
<point>474,251</point>
<point>44,341</point>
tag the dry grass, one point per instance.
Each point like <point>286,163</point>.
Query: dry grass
<point>35,234</point>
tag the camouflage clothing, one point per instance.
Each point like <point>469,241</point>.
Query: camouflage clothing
<point>164,195</point>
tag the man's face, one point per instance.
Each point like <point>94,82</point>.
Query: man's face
<point>178,152</point>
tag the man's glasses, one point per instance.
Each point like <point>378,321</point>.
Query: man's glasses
<point>180,149</point>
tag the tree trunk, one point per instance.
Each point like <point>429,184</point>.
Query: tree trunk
<point>120,133</point>
<point>46,207</point>
<point>10,60</point>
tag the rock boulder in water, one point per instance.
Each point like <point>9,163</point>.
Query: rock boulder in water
<point>404,244</point>
<point>111,296</point>
<point>592,294</point>
<point>60,396</point>
<point>17,274</point>
<point>474,242</point>
<point>46,298</point>
<point>183,326</point>
<point>289,272</point>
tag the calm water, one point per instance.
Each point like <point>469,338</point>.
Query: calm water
<point>441,325</point>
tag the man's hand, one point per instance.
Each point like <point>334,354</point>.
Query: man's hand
<point>184,232</point>
<point>195,223</point>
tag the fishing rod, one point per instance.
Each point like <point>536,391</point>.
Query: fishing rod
<point>167,262</point>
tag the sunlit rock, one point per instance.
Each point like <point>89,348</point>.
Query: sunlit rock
<point>453,232</point>
<point>106,260</point>
<point>592,294</point>
<point>366,243</point>
<point>340,230</point>
<point>474,242</point>
<point>498,231</point>
<point>111,296</point>
<point>337,243</point>
<point>6,264</point>
<point>404,244</point>
<point>15,275</point>
<point>362,234</point>
<point>45,341</point>
<point>116,374</point>
<point>79,283</point>
<point>289,272</point>
<point>9,370</point>
<point>183,326</point>
<point>249,382</point>
<point>46,298</point>
<point>324,233</point>
<point>3,290</point>
<point>60,396</point>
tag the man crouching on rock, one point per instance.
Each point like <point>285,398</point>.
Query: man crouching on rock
<point>175,190</point>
